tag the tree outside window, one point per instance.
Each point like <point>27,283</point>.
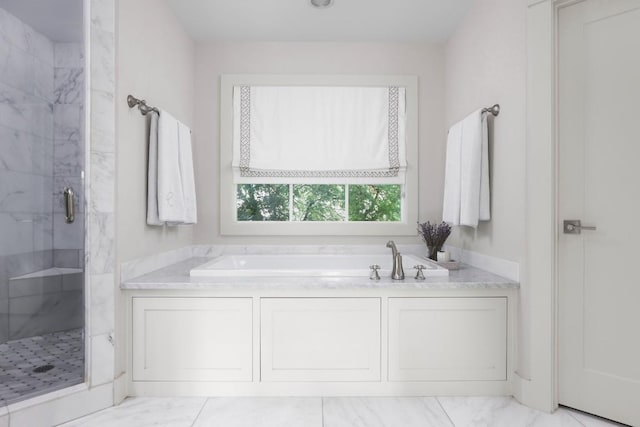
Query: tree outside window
<point>319,202</point>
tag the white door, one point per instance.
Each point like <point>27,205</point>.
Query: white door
<point>599,184</point>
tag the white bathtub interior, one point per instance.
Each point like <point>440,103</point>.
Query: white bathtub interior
<point>308,265</point>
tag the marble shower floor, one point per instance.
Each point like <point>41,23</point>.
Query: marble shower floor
<point>18,359</point>
<point>333,412</point>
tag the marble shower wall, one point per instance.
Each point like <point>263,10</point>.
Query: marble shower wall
<point>101,225</point>
<point>26,154</point>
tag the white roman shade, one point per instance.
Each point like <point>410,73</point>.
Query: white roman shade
<point>314,134</point>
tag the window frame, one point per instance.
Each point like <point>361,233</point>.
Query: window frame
<point>229,226</point>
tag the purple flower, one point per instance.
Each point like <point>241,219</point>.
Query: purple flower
<point>434,235</point>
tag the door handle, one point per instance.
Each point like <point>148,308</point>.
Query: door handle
<point>69,207</point>
<point>574,226</point>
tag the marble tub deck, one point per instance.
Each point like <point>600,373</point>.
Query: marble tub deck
<point>333,412</point>
<point>176,277</point>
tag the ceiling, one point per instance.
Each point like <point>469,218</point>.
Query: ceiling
<point>58,20</point>
<point>344,21</point>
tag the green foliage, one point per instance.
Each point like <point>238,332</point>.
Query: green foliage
<point>374,203</point>
<point>318,202</point>
<point>262,202</point>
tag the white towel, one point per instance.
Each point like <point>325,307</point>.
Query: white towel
<point>467,198</point>
<point>171,188</point>
<point>170,195</point>
<point>485,199</point>
<point>152,175</point>
<point>451,204</point>
<point>186,171</point>
<point>470,169</point>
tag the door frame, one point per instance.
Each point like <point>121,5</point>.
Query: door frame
<point>536,382</point>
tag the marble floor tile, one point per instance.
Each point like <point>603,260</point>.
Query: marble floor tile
<point>501,412</point>
<point>589,420</point>
<point>146,412</point>
<point>333,412</point>
<point>261,412</point>
<point>383,412</point>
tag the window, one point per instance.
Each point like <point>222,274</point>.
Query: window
<point>318,202</point>
<point>294,163</point>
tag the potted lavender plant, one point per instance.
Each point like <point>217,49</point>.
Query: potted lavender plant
<point>434,236</point>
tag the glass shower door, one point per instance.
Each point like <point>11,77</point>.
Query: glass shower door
<point>42,139</point>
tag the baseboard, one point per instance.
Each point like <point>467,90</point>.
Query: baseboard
<point>306,389</point>
<point>61,407</point>
<point>4,417</point>
<point>120,392</point>
<point>529,393</point>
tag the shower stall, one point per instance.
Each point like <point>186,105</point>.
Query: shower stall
<point>42,163</point>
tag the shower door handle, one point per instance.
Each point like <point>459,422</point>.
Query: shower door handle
<point>69,207</point>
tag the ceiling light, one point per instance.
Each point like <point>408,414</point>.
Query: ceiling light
<point>321,4</point>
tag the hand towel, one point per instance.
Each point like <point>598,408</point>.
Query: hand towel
<point>186,172</point>
<point>466,192</point>
<point>171,197</point>
<point>485,199</point>
<point>451,203</point>
<point>170,194</point>
<point>474,170</point>
<point>152,174</point>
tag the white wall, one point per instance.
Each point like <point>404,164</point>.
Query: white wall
<point>156,62</point>
<point>214,59</point>
<point>485,63</point>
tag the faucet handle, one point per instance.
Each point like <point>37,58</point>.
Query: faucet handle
<point>419,274</point>
<point>374,272</point>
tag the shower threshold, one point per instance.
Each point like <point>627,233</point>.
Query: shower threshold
<point>38,365</point>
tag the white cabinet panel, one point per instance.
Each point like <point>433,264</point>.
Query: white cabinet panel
<point>320,339</point>
<point>192,339</point>
<point>447,339</point>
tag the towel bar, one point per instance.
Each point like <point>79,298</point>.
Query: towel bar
<point>494,109</point>
<point>132,101</point>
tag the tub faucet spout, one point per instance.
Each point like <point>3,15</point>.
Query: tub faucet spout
<point>397,272</point>
<point>391,244</point>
